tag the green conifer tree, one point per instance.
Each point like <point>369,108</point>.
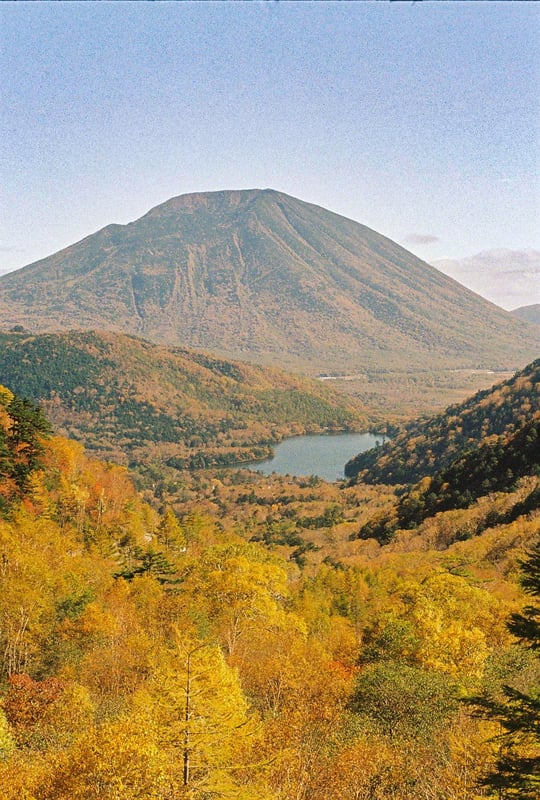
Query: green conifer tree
<point>516,772</point>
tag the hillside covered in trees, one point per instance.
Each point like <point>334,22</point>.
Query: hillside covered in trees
<point>183,647</point>
<point>486,445</point>
<point>492,467</point>
<point>136,403</point>
<point>430,444</point>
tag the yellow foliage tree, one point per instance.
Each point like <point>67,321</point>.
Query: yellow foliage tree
<point>456,624</point>
<point>117,760</point>
<point>235,586</point>
<point>197,712</point>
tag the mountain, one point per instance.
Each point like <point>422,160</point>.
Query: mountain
<point>528,313</point>
<point>508,278</point>
<point>135,402</point>
<point>429,445</point>
<point>262,276</point>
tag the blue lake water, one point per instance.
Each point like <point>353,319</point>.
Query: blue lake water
<point>324,455</point>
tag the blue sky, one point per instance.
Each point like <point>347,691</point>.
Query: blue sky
<point>420,120</point>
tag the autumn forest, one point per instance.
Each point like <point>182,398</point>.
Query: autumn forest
<point>219,634</point>
<point>269,401</point>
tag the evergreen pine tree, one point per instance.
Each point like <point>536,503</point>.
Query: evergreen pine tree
<point>516,772</point>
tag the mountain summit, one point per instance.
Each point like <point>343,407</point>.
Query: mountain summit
<point>263,276</point>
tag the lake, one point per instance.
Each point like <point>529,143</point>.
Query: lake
<point>324,455</point>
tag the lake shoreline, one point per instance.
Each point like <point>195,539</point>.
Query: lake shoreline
<point>321,454</point>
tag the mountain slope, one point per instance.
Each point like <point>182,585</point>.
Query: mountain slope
<point>528,313</point>
<point>263,276</point>
<point>135,402</point>
<point>428,445</point>
<point>492,467</point>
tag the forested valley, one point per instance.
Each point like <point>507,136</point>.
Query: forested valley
<point>220,634</point>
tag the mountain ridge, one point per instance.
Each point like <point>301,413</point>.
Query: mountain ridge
<point>530,313</point>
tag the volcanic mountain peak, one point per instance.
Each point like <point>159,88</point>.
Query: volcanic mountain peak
<point>258,274</point>
<point>224,200</point>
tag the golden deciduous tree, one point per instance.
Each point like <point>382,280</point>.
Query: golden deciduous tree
<point>7,742</point>
<point>195,706</point>
<point>455,623</point>
<point>119,660</point>
<point>169,532</point>
<point>235,585</point>
<point>32,555</point>
<point>117,760</point>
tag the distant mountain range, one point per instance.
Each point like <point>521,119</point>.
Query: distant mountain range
<point>137,403</point>
<point>262,276</point>
<point>509,278</point>
<point>528,313</point>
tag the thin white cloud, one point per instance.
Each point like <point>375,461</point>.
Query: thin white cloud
<point>509,278</point>
<point>421,238</point>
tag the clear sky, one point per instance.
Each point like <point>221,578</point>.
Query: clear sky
<point>420,120</point>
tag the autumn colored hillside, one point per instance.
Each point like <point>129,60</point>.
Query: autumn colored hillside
<point>138,403</point>
<point>233,639</point>
<point>430,444</point>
